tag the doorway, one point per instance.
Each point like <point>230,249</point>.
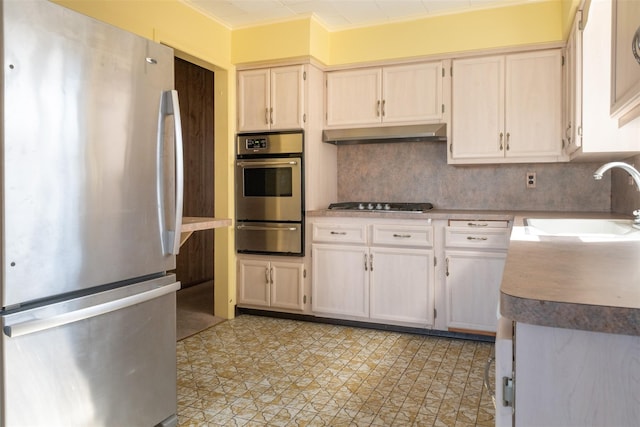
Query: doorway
<point>195,262</point>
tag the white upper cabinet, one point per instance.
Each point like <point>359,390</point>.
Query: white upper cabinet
<point>572,101</point>
<point>389,95</point>
<point>594,133</point>
<point>271,99</point>
<point>507,108</point>
<point>625,78</point>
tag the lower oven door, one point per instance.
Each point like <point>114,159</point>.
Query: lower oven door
<point>269,238</point>
<point>269,189</point>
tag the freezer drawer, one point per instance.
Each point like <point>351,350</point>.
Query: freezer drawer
<point>107,359</point>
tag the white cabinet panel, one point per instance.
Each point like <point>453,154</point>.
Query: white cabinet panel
<point>340,280</point>
<point>376,96</point>
<point>271,284</point>
<point>401,285</point>
<point>507,108</point>
<point>354,97</point>
<point>402,235</point>
<point>271,98</point>
<point>473,288</point>
<point>625,78</point>
<point>254,283</point>
<point>412,93</point>
<point>478,108</point>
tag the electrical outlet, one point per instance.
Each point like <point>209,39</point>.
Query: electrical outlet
<point>531,180</point>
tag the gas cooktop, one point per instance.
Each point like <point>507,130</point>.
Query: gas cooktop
<point>382,207</point>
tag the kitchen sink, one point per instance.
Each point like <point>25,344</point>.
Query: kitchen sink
<point>574,227</point>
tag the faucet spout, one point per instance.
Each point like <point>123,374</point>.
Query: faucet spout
<point>631,171</point>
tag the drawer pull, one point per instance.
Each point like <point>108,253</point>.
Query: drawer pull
<point>339,233</point>
<point>477,224</point>
<point>402,236</point>
<point>476,238</point>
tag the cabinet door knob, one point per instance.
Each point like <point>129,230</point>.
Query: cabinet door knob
<point>501,136</point>
<point>365,263</point>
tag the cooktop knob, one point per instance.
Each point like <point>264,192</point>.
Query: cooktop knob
<point>387,206</point>
<point>379,206</point>
<point>369,206</point>
<point>360,206</point>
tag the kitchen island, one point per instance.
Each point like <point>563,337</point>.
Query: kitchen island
<point>570,283</point>
<point>574,351</point>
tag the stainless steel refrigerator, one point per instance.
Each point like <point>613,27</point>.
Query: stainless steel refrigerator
<point>91,207</point>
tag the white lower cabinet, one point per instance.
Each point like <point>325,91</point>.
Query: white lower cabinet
<point>271,284</point>
<point>340,280</point>
<point>401,285</point>
<point>580,378</point>
<point>389,280</point>
<point>475,253</point>
<point>473,289</point>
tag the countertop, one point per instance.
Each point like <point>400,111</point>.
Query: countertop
<point>196,223</point>
<point>570,283</point>
<point>432,214</point>
<point>556,282</point>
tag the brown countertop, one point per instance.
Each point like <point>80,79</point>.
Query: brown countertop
<point>570,283</point>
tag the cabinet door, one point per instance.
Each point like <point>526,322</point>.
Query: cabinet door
<point>287,285</point>
<point>572,103</point>
<point>402,285</point>
<point>253,282</point>
<point>287,97</point>
<point>625,79</point>
<point>340,280</point>
<point>253,100</point>
<point>354,97</point>
<point>412,93</point>
<point>533,104</point>
<point>473,289</point>
<point>478,109</point>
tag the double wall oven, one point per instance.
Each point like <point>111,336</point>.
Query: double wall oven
<point>270,193</point>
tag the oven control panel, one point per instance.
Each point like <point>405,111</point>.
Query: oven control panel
<point>256,143</point>
<point>270,143</point>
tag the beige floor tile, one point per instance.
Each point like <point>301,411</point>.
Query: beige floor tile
<point>260,371</point>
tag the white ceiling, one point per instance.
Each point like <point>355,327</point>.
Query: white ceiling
<point>334,14</point>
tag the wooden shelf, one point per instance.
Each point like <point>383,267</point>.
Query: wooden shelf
<point>192,223</point>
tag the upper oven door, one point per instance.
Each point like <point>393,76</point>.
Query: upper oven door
<point>269,189</point>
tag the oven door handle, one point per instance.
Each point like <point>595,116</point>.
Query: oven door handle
<point>263,228</point>
<point>267,163</point>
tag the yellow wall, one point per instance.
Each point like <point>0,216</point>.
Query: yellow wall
<point>528,24</point>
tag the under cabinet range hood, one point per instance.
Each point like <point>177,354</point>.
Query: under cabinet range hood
<point>411,133</point>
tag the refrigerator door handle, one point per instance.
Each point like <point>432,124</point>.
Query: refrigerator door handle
<point>169,106</point>
<point>37,325</point>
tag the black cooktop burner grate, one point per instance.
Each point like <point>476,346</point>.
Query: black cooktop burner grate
<point>382,206</point>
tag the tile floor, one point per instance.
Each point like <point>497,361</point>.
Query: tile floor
<point>261,371</point>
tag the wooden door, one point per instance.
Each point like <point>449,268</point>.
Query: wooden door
<point>194,84</point>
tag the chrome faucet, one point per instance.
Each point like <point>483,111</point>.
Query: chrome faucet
<point>631,171</point>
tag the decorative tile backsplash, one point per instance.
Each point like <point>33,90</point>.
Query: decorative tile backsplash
<point>418,172</point>
<point>625,198</point>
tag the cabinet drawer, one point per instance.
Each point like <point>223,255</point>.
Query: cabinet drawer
<point>478,224</point>
<point>347,233</point>
<point>465,237</point>
<point>403,235</point>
